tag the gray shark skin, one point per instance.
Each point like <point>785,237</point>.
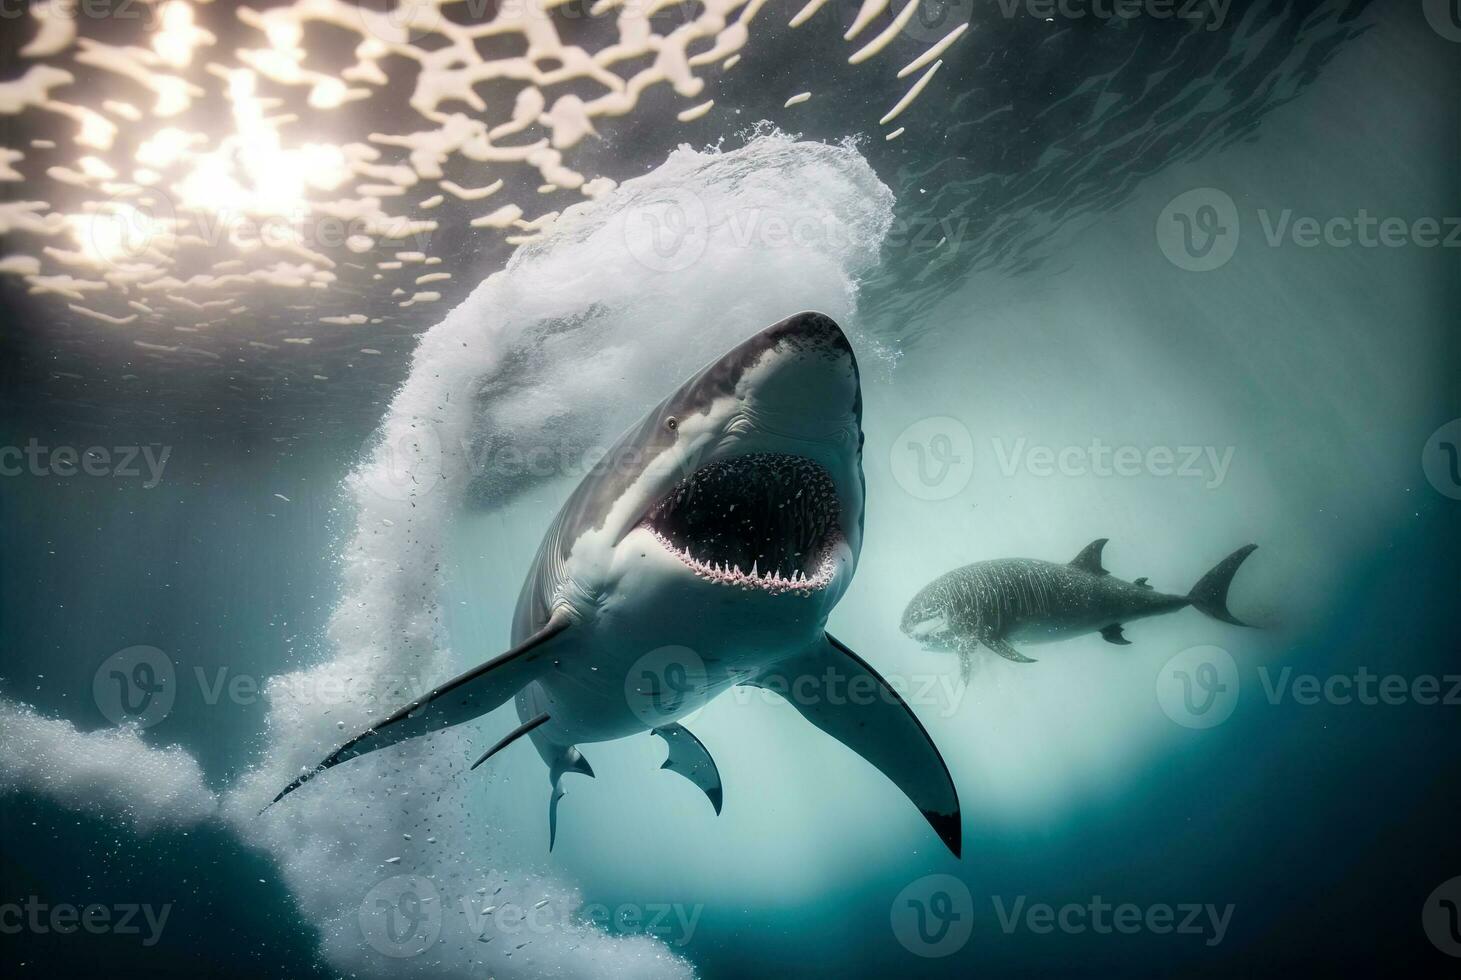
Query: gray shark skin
<point>996,602</point>
<point>707,552</point>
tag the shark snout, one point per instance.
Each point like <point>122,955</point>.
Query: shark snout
<point>802,374</point>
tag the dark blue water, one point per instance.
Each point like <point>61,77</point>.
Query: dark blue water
<point>1300,833</point>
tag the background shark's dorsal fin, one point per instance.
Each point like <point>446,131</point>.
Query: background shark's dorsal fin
<point>1089,560</point>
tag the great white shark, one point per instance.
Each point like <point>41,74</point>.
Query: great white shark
<point>994,602</point>
<point>709,554</point>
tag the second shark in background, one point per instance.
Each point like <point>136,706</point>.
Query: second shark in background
<point>1033,601</point>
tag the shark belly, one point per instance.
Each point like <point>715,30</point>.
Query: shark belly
<point>1058,627</point>
<point>657,644</point>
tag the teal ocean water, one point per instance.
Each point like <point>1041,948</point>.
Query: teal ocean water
<point>1183,282</point>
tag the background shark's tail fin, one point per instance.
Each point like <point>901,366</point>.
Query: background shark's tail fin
<point>1210,594</point>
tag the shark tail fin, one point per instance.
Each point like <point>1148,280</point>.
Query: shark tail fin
<point>1210,594</point>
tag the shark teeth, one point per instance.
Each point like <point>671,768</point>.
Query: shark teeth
<point>773,582</point>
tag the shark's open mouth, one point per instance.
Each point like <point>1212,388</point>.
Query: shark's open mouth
<point>765,521</point>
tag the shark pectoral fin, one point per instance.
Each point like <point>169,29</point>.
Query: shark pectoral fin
<point>1006,651</point>
<point>1113,634</point>
<point>469,696</point>
<point>837,691</point>
<point>1089,560</point>
<point>966,664</point>
<point>553,816</point>
<point>511,737</point>
<point>689,758</point>
<point>566,759</point>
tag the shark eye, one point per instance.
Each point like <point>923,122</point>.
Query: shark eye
<point>672,423</point>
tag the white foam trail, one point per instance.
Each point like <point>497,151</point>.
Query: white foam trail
<point>582,331</point>
<point>110,773</point>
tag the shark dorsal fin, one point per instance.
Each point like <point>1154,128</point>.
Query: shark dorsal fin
<point>1142,582</point>
<point>1089,560</point>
